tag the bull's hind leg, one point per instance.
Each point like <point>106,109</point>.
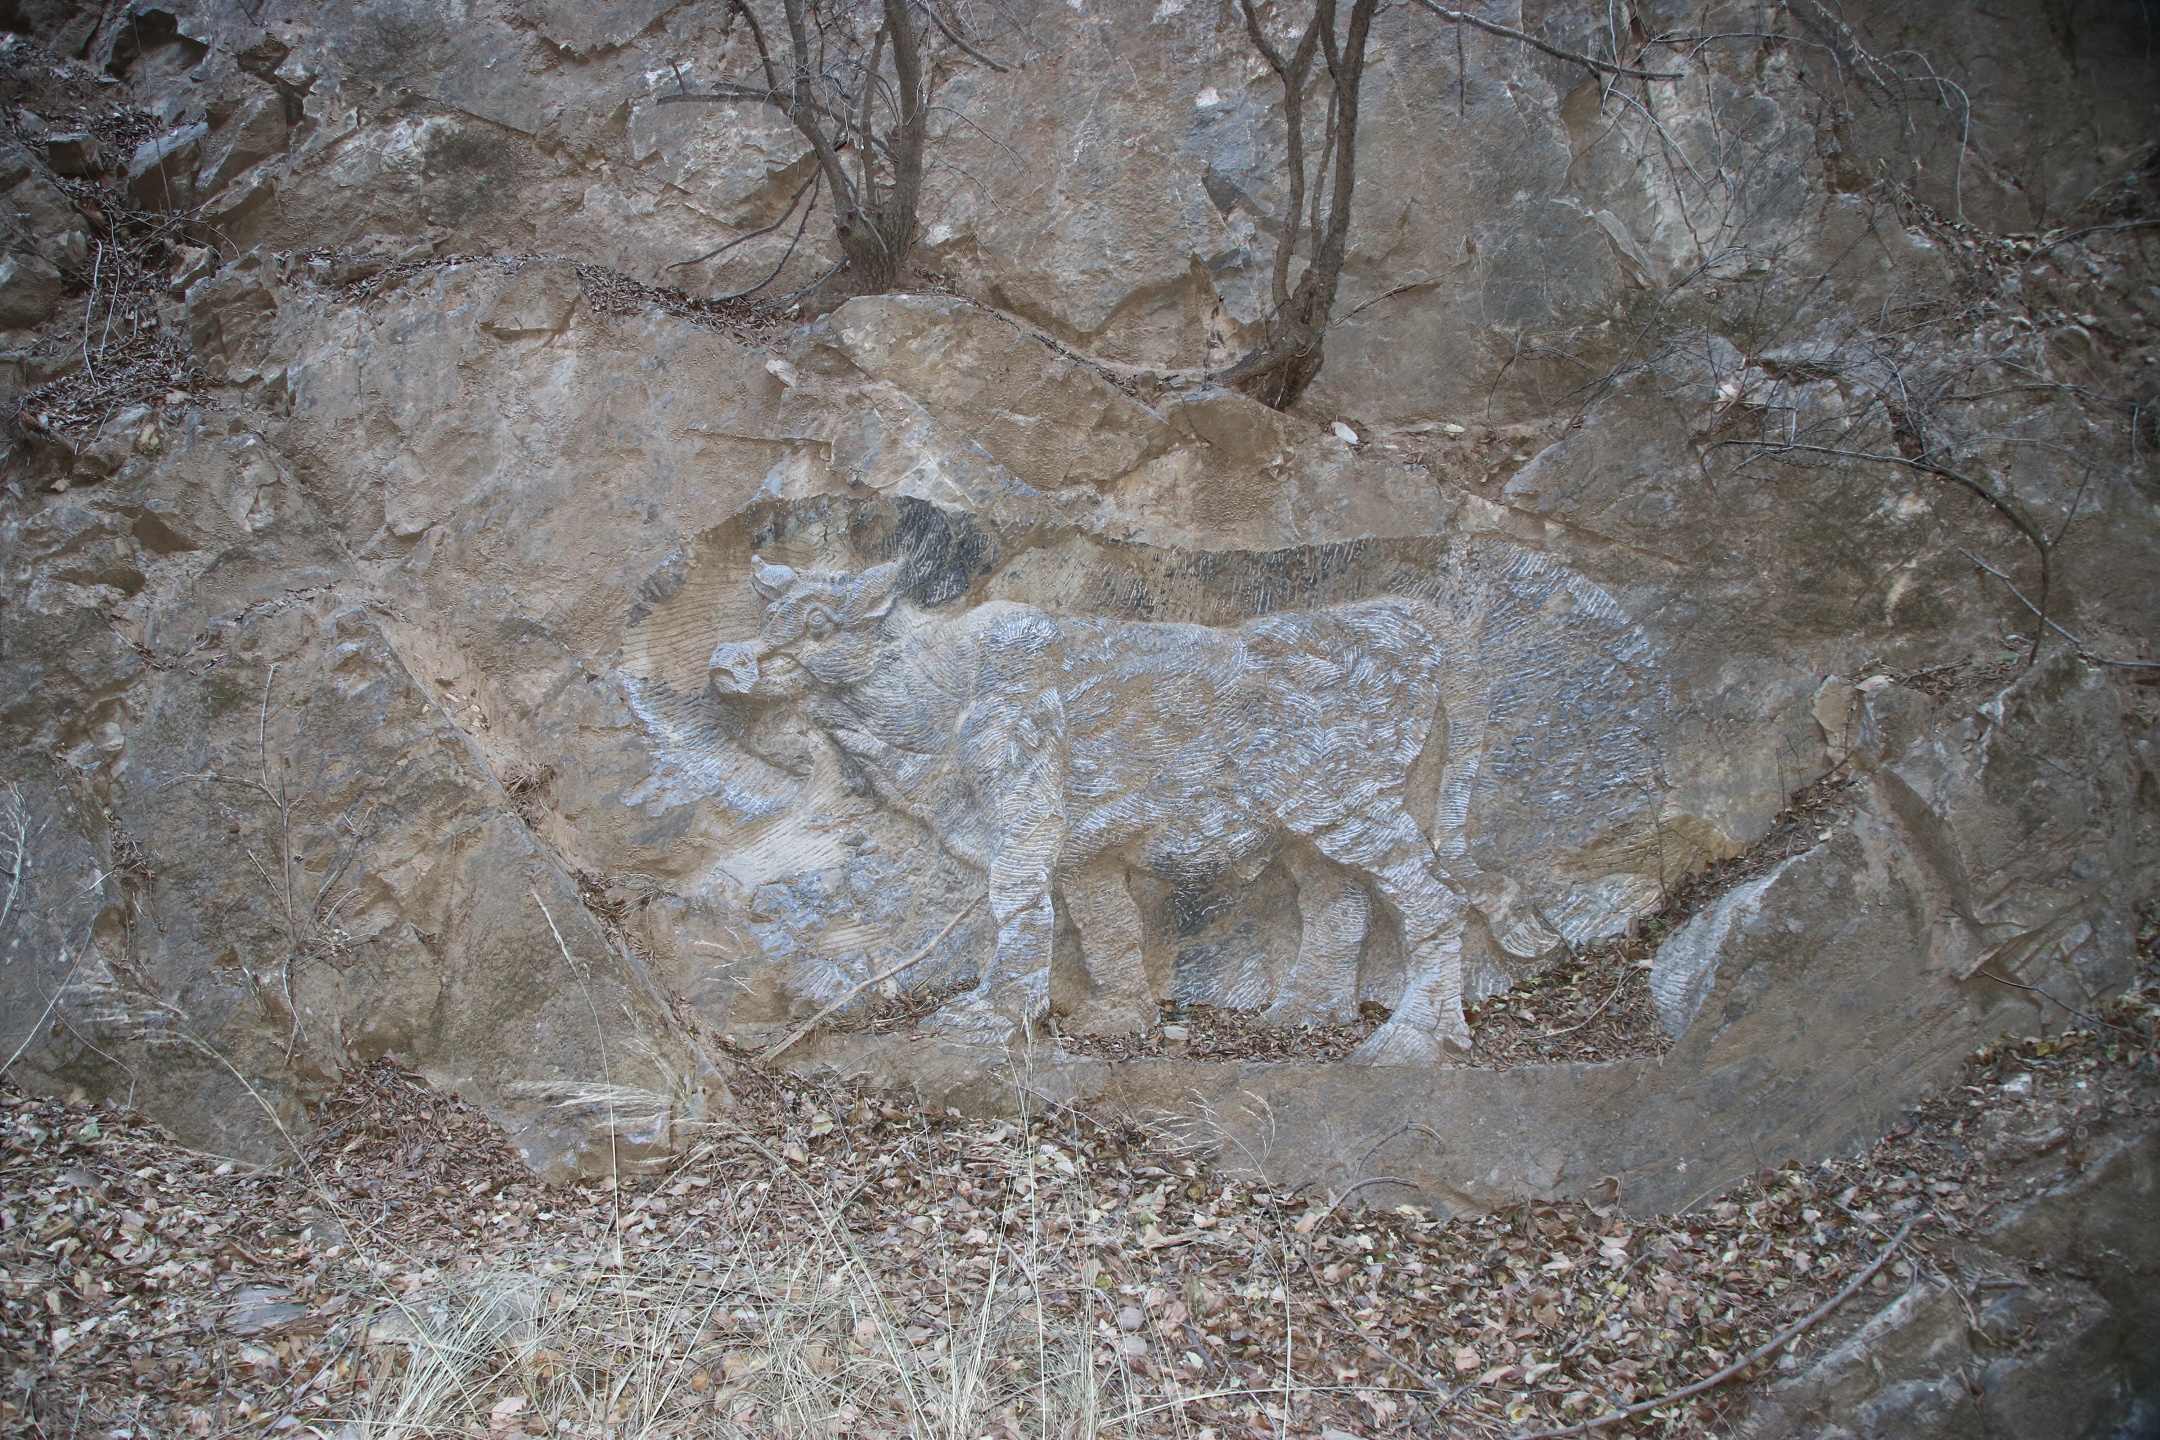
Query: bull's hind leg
<point>1114,997</point>
<point>1334,913</point>
<point>1428,1019</point>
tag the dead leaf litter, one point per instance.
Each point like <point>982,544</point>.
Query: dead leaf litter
<point>842,1262</point>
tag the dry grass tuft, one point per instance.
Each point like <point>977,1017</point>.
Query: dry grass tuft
<point>832,1261</point>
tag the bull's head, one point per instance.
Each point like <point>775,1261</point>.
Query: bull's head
<point>820,626</point>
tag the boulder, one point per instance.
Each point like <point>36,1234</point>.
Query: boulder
<point>49,223</point>
<point>72,153</point>
<point>29,291</point>
<point>161,172</point>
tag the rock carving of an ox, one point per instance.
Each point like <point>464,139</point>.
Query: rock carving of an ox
<point>1055,753</point>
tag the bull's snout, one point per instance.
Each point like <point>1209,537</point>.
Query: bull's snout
<point>734,668</point>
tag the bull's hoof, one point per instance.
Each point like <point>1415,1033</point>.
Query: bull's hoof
<point>981,1017</point>
<point>1511,919</point>
<point>1305,1012</point>
<point>1398,1044</point>
<point>979,1025</point>
<point>1525,936</point>
<point>1118,1020</point>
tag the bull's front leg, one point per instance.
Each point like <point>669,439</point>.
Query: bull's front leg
<point>1428,1021</point>
<point>1019,755</point>
<point>1015,985</point>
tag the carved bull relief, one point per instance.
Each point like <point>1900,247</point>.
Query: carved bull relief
<point>1058,754</point>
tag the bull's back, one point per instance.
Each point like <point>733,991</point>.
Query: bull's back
<point>1351,694</point>
<point>1286,721</point>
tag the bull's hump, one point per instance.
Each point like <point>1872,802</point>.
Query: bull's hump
<point>1401,631</point>
<point>1390,614</point>
<point>1002,625</point>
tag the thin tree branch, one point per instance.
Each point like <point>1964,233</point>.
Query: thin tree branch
<point>1337,1203</point>
<point>1293,72</point>
<point>869,98</point>
<point>1925,466</point>
<point>1556,1034</point>
<point>883,975</point>
<point>1984,973</point>
<point>785,216</point>
<point>803,109</point>
<point>1867,61</point>
<point>727,92</point>
<point>1279,370</point>
<point>2076,644</point>
<point>1347,71</point>
<point>1364,305</point>
<point>757,38</point>
<point>1603,67</point>
<point>2097,230</point>
<point>952,33</point>
<point>1784,1337</point>
<point>785,256</point>
<point>1259,39</point>
<point>793,295</point>
<point>38,1028</point>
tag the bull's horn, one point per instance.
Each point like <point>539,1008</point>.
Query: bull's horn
<point>769,581</point>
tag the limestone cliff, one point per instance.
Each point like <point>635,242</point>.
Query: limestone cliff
<point>387,474</point>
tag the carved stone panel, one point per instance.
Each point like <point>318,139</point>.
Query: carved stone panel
<point>1287,782</point>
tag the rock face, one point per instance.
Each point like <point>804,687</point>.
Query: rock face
<point>1810,1005</point>
<point>2065,1355</point>
<point>1070,754</point>
<point>433,638</point>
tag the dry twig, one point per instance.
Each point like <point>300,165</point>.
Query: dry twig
<point>883,975</point>
<point>1508,32</point>
<point>1746,1362</point>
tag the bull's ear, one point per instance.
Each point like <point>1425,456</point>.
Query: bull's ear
<point>769,582</point>
<point>872,593</point>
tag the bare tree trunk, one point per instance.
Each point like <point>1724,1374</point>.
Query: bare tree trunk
<point>876,225</point>
<point>1288,359</point>
<point>876,207</point>
<point>1278,372</point>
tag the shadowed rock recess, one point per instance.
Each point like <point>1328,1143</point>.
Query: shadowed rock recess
<point>1703,610</point>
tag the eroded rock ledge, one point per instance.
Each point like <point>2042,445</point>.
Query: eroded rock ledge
<point>370,573</point>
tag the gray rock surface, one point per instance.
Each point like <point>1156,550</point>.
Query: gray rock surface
<point>358,681</point>
<point>2061,1345</point>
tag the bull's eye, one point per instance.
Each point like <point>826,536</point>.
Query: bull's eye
<point>818,623</point>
